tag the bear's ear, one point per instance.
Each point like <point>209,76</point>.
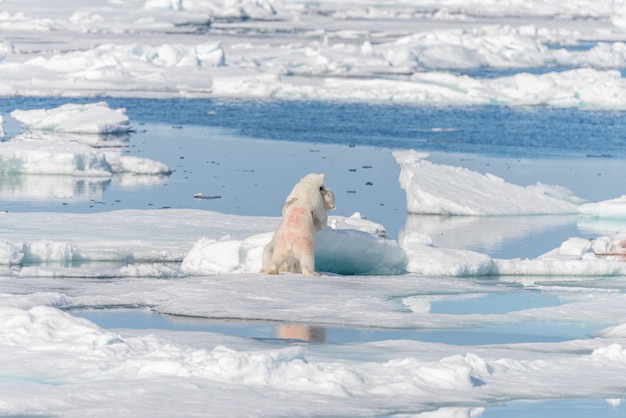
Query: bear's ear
<point>321,177</point>
<point>290,202</point>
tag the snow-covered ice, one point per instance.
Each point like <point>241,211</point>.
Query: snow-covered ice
<point>202,265</point>
<point>275,381</point>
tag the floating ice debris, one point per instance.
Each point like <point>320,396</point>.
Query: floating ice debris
<point>444,130</point>
<point>203,196</point>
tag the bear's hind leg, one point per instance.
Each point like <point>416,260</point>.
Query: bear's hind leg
<point>278,257</point>
<point>268,252</point>
<point>304,251</point>
<point>309,270</point>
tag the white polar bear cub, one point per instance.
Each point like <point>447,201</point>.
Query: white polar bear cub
<point>292,248</point>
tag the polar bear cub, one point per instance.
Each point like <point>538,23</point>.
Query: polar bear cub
<point>304,213</point>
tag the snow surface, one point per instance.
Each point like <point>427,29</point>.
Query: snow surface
<point>203,264</point>
<point>73,366</point>
<point>156,371</point>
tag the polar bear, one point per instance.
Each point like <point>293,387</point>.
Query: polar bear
<point>304,213</point>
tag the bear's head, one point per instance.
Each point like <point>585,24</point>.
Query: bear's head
<point>311,193</point>
<point>316,182</point>
<point>329,199</point>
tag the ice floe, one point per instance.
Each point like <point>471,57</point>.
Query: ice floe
<point>439,189</point>
<point>94,118</point>
<point>69,140</point>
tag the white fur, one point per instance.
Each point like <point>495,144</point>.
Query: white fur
<point>304,214</point>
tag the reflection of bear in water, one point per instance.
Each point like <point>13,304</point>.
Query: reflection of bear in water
<point>292,248</point>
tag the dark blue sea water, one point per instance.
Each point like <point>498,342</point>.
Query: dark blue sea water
<point>530,132</point>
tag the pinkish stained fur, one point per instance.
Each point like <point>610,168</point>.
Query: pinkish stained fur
<point>294,240</point>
